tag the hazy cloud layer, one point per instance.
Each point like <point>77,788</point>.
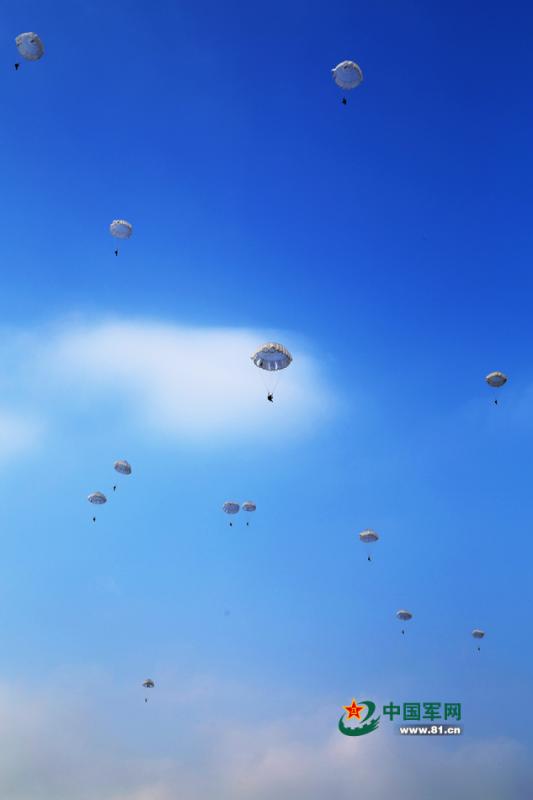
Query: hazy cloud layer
<point>18,434</point>
<point>59,749</point>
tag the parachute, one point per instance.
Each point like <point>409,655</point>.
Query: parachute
<point>121,229</point>
<point>478,634</point>
<point>347,75</point>
<point>123,467</point>
<point>148,684</point>
<point>404,615</point>
<point>231,508</point>
<point>368,537</point>
<point>97,498</point>
<point>249,506</point>
<point>30,46</point>
<point>271,357</point>
<point>496,380</point>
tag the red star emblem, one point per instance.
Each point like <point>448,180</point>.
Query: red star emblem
<point>354,710</point>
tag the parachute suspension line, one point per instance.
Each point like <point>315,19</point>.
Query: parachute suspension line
<point>269,386</point>
<point>276,384</point>
<point>266,383</point>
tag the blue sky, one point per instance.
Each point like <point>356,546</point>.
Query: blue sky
<point>387,243</point>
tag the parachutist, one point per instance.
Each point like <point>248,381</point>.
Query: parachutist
<point>272,357</point>
<point>231,508</point>
<point>403,631</point>
<point>148,684</point>
<point>114,488</point>
<point>496,380</point>
<point>479,649</point>
<point>369,536</point>
<point>97,499</point>
<point>344,101</point>
<point>116,252</point>
<point>17,66</point>
<point>478,634</point>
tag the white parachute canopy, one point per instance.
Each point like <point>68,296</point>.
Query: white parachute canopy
<point>231,508</point>
<point>123,467</point>
<point>249,506</point>
<point>496,379</point>
<point>29,46</point>
<point>347,75</point>
<point>369,536</point>
<point>403,614</point>
<point>97,498</point>
<point>478,634</point>
<point>121,229</point>
<point>272,357</point>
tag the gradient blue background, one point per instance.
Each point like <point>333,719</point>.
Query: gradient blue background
<point>394,233</point>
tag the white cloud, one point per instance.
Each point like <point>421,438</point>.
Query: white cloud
<point>154,380</point>
<point>185,382</point>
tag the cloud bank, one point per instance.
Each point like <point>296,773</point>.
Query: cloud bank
<point>164,380</point>
<point>59,749</point>
<point>187,382</point>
